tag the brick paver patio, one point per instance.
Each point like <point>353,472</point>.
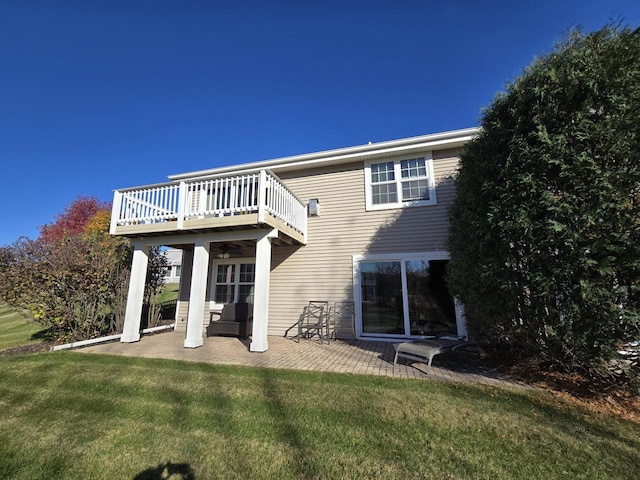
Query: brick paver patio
<point>353,356</point>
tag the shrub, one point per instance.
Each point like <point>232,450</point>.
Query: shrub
<point>545,229</point>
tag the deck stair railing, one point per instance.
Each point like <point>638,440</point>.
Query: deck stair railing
<point>262,192</point>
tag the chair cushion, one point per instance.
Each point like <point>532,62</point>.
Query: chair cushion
<point>236,312</point>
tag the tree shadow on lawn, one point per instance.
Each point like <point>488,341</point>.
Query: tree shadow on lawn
<point>45,338</point>
<point>174,471</point>
<point>45,335</point>
<point>45,342</point>
<point>305,461</point>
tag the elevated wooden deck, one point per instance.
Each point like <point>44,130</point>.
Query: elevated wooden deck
<point>242,202</point>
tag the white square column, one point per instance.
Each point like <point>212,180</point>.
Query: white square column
<point>135,298</point>
<point>197,294</point>
<point>259,341</point>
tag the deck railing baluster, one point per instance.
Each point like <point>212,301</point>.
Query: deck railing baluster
<point>225,196</point>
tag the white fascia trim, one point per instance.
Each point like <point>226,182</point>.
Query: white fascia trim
<point>427,142</point>
<point>208,237</point>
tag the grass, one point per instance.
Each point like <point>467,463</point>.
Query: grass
<point>84,416</point>
<point>167,298</point>
<point>169,293</point>
<point>15,329</point>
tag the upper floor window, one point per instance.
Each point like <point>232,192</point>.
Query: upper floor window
<point>400,183</point>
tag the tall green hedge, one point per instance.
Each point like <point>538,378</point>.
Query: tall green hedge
<point>545,229</point>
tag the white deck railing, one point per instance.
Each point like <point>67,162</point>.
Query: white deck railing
<point>259,193</point>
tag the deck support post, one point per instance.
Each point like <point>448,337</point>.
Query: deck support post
<point>197,294</point>
<point>259,341</point>
<point>135,298</point>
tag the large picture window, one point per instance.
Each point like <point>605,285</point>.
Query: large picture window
<point>400,183</point>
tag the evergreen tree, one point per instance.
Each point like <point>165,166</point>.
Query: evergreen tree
<point>545,229</point>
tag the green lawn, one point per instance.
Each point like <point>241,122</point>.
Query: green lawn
<point>81,416</point>
<point>15,329</point>
<point>167,298</point>
<point>169,293</point>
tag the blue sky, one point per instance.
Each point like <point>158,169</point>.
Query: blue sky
<point>99,95</point>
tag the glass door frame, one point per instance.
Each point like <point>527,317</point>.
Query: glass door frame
<point>461,326</point>
<point>213,269</point>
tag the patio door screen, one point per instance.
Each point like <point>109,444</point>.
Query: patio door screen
<point>405,297</point>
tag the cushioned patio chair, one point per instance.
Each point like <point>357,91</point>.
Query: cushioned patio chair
<point>236,320</point>
<point>424,350</point>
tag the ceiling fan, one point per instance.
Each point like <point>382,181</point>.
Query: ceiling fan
<point>226,251</point>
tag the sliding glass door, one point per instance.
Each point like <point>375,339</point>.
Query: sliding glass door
<point>382,310</point>
<point>431,309</point>
<point>405,297</point>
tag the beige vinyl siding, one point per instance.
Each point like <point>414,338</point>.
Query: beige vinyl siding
<point>323,269</point>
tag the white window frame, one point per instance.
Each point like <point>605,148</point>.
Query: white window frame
<point>428,158</point>
<point>214,279</point>
<point>461,322</point>
<point>172,273</point>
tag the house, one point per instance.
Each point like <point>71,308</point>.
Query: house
<point>366,224</point>
<point>174,265</point>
